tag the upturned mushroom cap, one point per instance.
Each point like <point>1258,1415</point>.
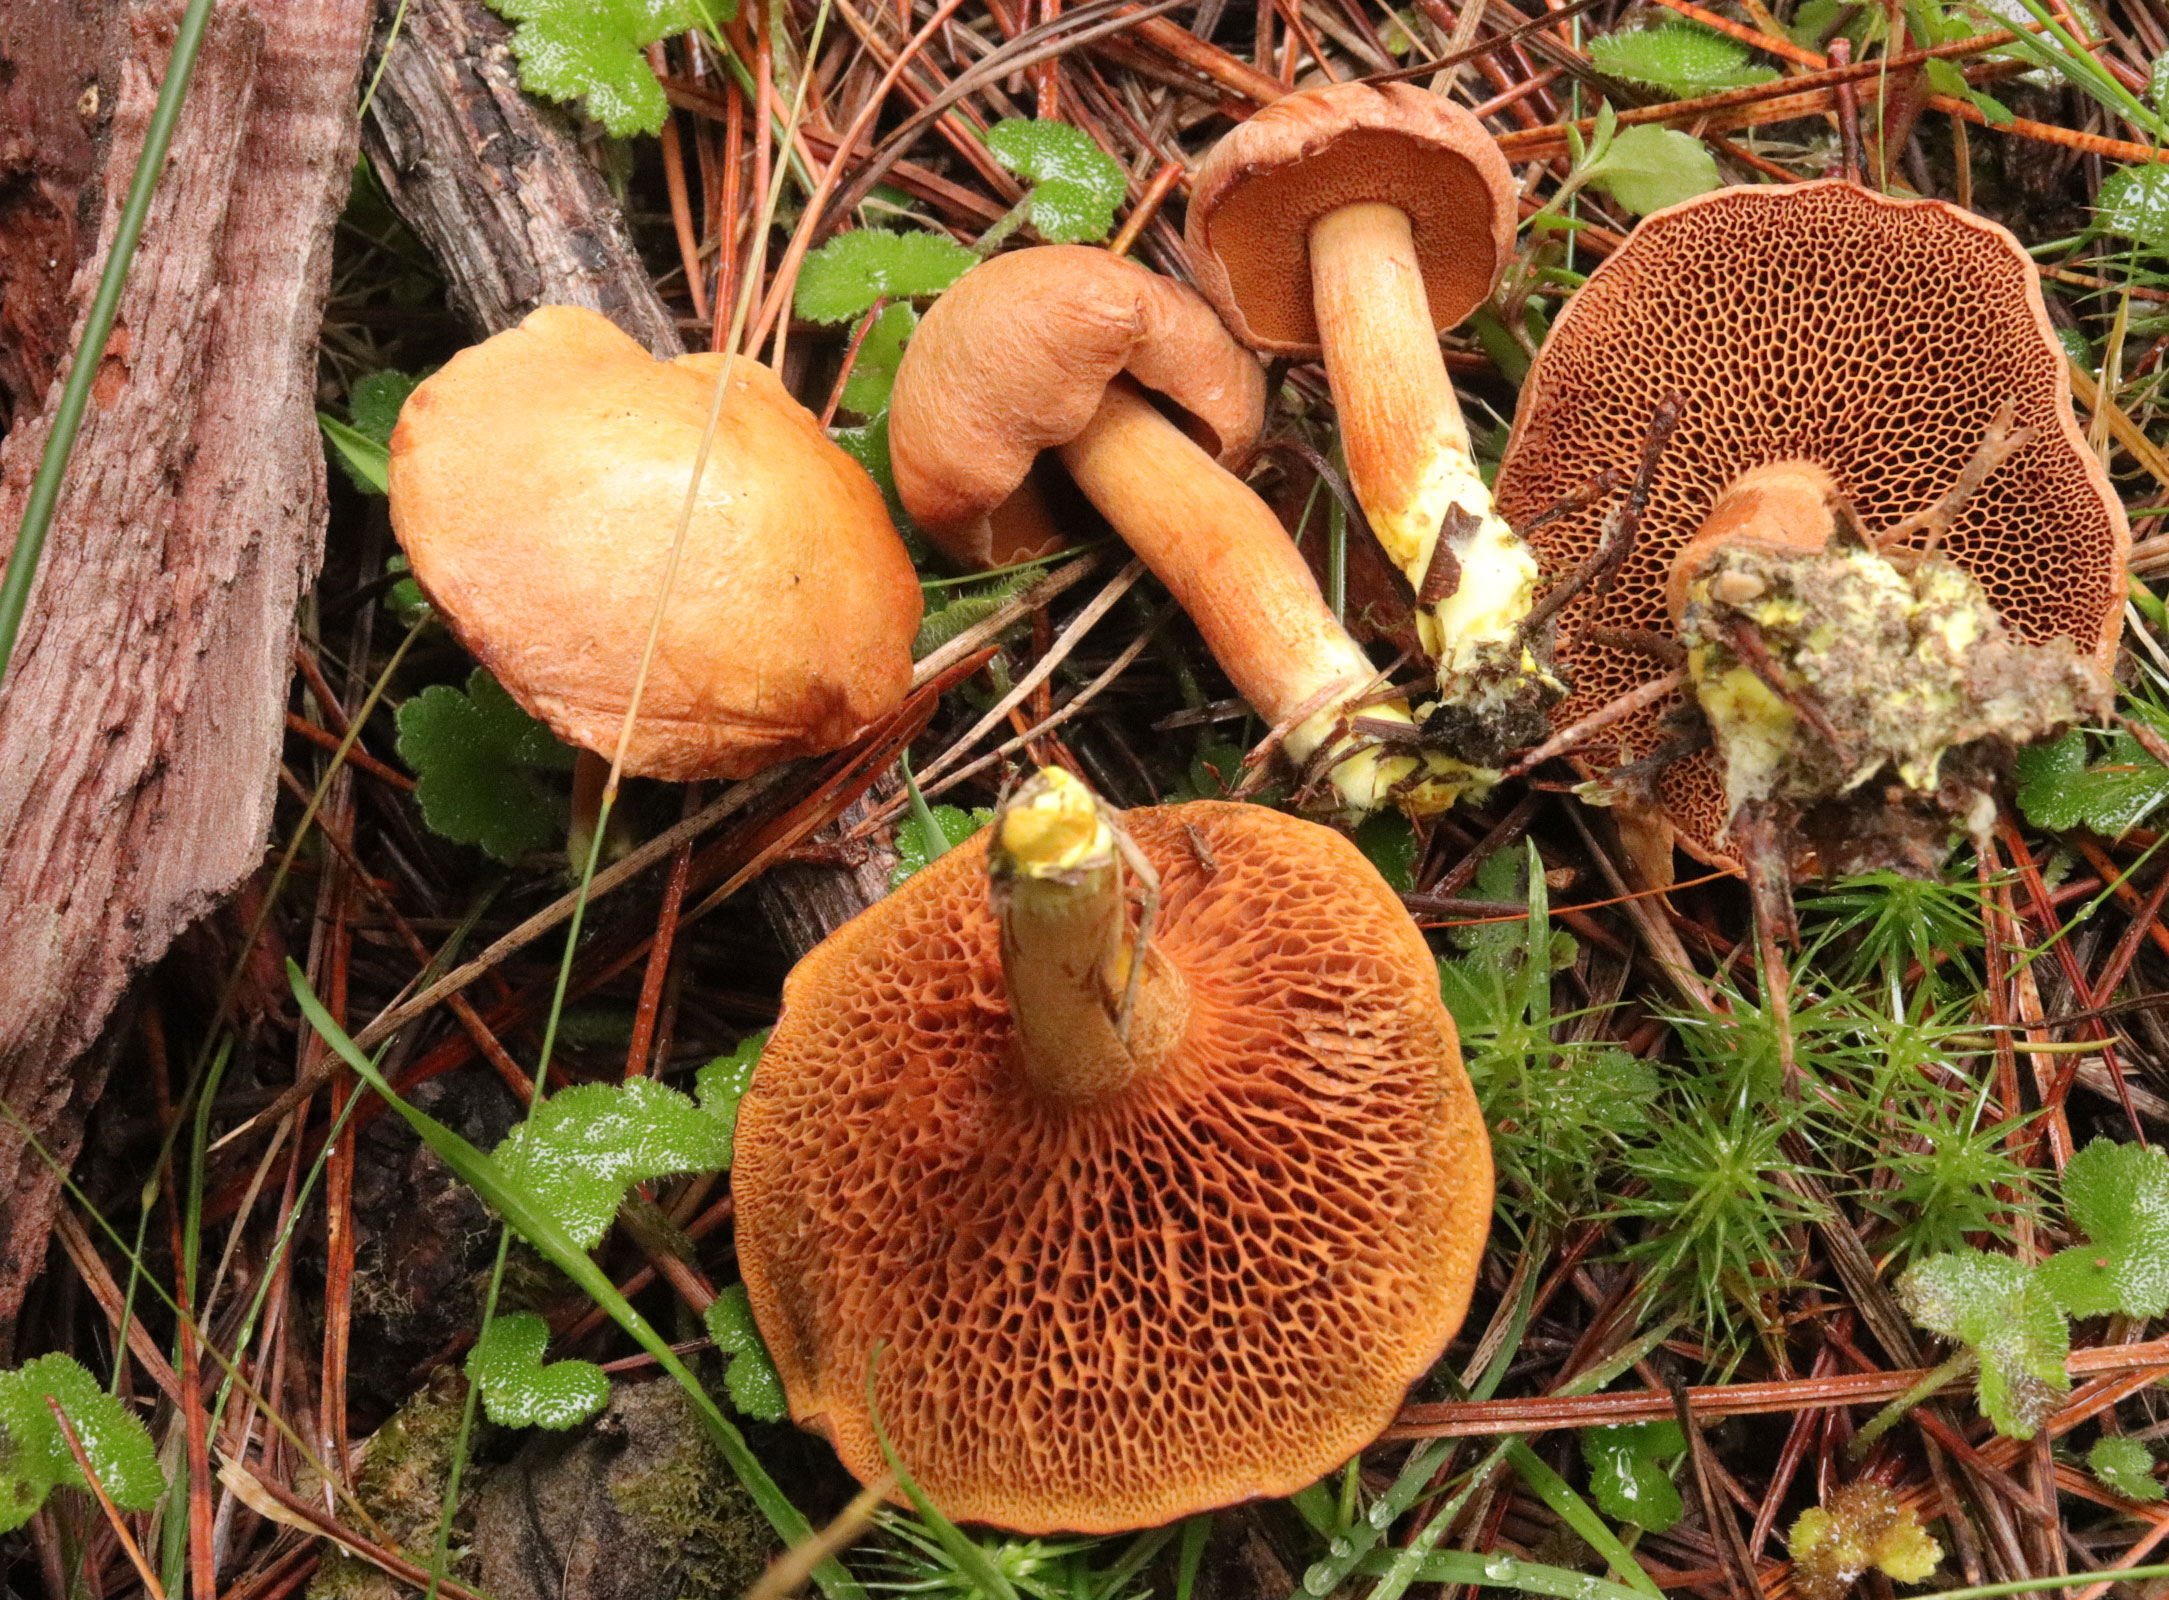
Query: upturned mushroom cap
<point>1013,359</point>
<point>1873,337</point>
<point>536,483</point>
<point>1260,188</point>
<point>1217,1282</point>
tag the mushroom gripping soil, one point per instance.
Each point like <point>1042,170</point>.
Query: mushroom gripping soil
<point>1877,340</point>
<point>1210,1279</point>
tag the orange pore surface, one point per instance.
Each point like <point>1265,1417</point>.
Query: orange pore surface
<point>1107,1314</point>
<point>1820,322</point>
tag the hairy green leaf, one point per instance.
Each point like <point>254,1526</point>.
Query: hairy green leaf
<point>1649,168</point>
<point>965,610</point>
<point>375,399</point>
<point>366,462</point>
<point>917,845</point>
<point>2125,1466</point>
<point>1388,842</point>
<point>754,1385</point>
<point>34,1454</point>
<point>847,275</point>
<point>1626,1478</point>
<point>474,757</point>
<point>881,351</point>
<point>519,1390</point>
<point>2060,789</point>
<point>592,50</point>
<point>2118,1196</point>
<point>1677,57</point>
<point>723,1082</point>
<point>584,1145</point>
<point>1998,1309</point>
<point>2134,203</point>
<point>1075,184</point>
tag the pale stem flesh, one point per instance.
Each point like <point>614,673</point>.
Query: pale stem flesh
<point>1409,458</point>
<point>1229,563</point>
<point>1067,948</point>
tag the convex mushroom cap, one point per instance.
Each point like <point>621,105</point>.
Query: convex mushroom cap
<point>1873,339</point>
<point>536,486</point>
<point>1054,349</point>
<point>1358,222</point>
<point>1113,1283</point>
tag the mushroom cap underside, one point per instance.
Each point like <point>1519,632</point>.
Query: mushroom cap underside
<point>1216,1284</point>
<point>536,484</point>
<point>1013,359</point>
<point>1260,188</point>
<point>1876,338</point>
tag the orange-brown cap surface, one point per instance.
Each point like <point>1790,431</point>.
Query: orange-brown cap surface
<point>1102,1315</point>
<point>1260,188</point>
<point>536,484</point>
<point>1875,338</point>
<point>1013,359</point>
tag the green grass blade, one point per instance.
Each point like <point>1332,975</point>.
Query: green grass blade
<point>22,566</point>
<point>1581,1516</point>
<point>1510,1572</point>
<point>970,1560</point>
<point>541,1230</point>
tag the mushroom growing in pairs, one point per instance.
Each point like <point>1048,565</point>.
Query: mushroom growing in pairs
<point>1143,1214</point>
<point>1360,222</point>
<point>537,481</point>
<point>1879,346</point>
<point>1066,349</point>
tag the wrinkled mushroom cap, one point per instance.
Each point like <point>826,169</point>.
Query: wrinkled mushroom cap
<point>1013,359</point>
<point>1260,188</point>
<point>536,484</point>
<point>1873,337</point>
<point>1216,1283</point>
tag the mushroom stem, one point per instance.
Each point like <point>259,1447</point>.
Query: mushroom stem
<point>1067,954</point>
<point>1230,564</point>
<point>1408,447</point>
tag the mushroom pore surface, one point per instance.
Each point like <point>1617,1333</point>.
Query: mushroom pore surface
<point>1261,187</point>
<point>536,485</point>
<point>1095,1315</point>
<point>1871,337</point>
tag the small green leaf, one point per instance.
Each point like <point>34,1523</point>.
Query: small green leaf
<point>752,1382</point>
<point>2157,84</point>
<point>1625,1477</point>
<point>34,1454</point>
<point>1075,184</point>
<point>723,1082</point>
<point>2134,202</point>
<point>1681,59</point>
<point>584,1145</point>
<point>965,610</point>
<point>404,599</point>
<point>472,755</point>
<point>2059,789</point>
<point>519,1390</point>
<point>1388,842</point>
<point>917,845</point>
<point>1649,168</point>
<point>366,462</point>
<point>873,374</point>
<point>847,275</point>
<point>592,50</point>
<point>2000,1311</point>
<point>374,401</point>
<point>2118,1196</point>
<point>2125,1466</point>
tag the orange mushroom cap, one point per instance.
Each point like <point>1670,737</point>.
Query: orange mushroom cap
<point>536,485</point>
<point>1099,1314</point>
<point>1871,337</point>
<point>1013,359</point>
<point>1260,188</point>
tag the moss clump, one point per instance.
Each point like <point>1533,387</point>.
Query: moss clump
<point>406,1466</point>
<point>686,1497</point>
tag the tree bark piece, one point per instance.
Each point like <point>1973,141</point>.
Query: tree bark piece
<point>494,182</point>
<point>142,717</point>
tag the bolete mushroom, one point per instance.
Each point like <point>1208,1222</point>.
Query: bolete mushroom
<point>1842,357</point>
<point>1359,222</point>
<point>1139,1224</point>
<point>1065,349</point>
<point>536,486</point>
